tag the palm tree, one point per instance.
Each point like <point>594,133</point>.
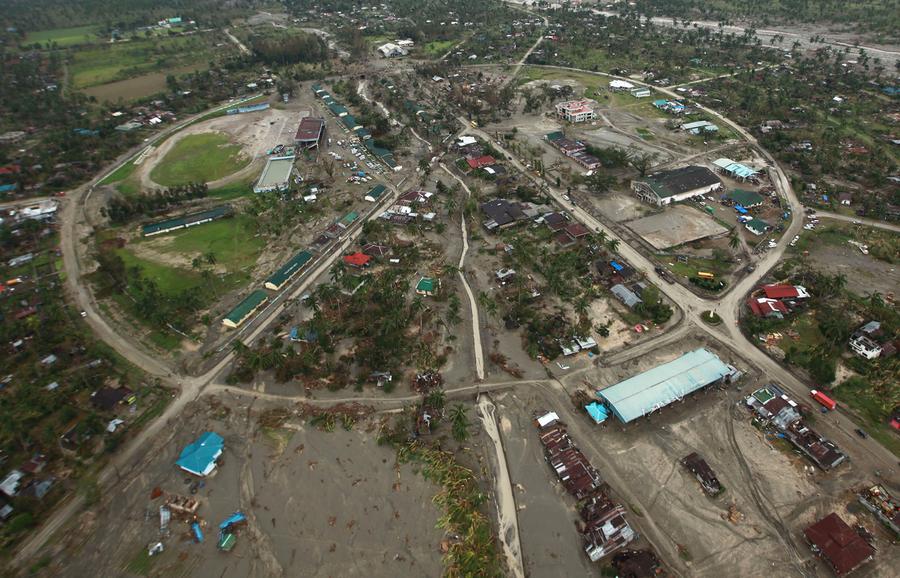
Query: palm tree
<point>612,244</point>
<point>312,301</point>
<point>460,422</point>
<point>733,240</point>
<point>210,258</point>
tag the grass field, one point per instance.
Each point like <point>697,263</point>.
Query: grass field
<point>199,158</point>
<point>233,191</point>
<point>65,36</point>
<point>438,48</point>
<point>232,241</point>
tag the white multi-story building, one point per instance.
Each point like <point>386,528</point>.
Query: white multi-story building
<point>576,110</point>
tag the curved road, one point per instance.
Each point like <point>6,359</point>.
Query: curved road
<point>191,387</point>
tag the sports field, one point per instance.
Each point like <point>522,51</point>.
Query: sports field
<point>199,158</point>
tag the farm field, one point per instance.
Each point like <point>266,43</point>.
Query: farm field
<point>137,87</point>
<point>200,157</point>
<point>109,63</point>
<point>65,36</point>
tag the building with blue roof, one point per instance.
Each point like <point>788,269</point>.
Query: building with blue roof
<point>199,458</point>
<point>656,388</point>
<point>736,170</point>
<point>598,412</point>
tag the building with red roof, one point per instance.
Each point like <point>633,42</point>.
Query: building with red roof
<point>838,544</point>
<point>310,132</point>
<point>782,291</point>
<point>764,307</point>
<point>358,260</point>
<point>482,161</point>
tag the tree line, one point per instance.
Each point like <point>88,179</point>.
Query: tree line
<point>120,210</point>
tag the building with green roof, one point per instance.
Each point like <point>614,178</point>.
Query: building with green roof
<point>349,218</point>
<point>375,193</point>
<point>245,309</point>
<point>746,199</point>
<point>427,286</point>
<point>189,220</point>
<point>287,271</point>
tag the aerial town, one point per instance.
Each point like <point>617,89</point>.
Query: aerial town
<point>467,289</point>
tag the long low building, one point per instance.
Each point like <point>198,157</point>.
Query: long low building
<point>656,388</point>
<point>310,132</point>
<point>245,309</point>
<point>287,271</point>
<point>676,185</point>
<point>190,220</point>
<point>276,176</point>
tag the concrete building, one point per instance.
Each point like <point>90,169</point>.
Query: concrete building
<point>656,388</point>
<point>736,170</point>
<point>581,110</point>
<point>676,185</point>
<point>391,50</point>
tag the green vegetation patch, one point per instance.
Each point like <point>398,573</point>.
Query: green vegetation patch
<point>199,158</point>
<point>438,48</point>
<point>65,36</point>
<point>231,242</point>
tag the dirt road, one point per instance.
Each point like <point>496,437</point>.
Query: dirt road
<point>473,306</point>
<point>506,501</point>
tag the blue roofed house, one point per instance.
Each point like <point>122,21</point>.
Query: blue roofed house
<point>199,458</point>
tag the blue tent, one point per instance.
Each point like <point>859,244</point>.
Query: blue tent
<point>740,209</point>
<point>199,458</point>
<point>616,266</point>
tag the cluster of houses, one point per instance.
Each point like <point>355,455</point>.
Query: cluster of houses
<point>412,205</point>
<point>143,116</point>
<point>776,300</point>
<point>574,149</point>
<point>782,413</point>
<point>396,48</point>
<point>26,481</point>
<point>475,158</point>
<point>604,526</point>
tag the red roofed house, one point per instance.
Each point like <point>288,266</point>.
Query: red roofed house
<point>838,544</point>
<point>781,291</point>
<point>763,307</point>
<point>576,231</point>
<point>358,260</point>
<point>483,161</point>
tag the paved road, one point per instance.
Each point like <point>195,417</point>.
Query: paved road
<point>191,387</point>
<point>859,220</point>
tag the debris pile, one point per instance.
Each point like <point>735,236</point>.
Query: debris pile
<point>502,362</point>
<point>733,515</point>
<point>426,381</point>
<point>603,526</point>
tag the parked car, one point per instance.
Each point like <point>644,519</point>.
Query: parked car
<point>861,433</point>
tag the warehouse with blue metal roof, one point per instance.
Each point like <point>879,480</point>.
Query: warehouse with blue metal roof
<point>656,388</point>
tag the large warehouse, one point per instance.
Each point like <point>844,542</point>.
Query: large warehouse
<point>288,270</point>
<point>245,309</point>
<point>656,388</point>
<point>310,132</point>
<point>276,176</point>
<point>676,185</point>
<point>190,220</point>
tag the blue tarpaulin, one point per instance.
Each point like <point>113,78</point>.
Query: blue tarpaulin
<point>740,209</point>
<point>616,266</point>
<point>235,518</point>
<point>198,533</point>
<point>597,412</point>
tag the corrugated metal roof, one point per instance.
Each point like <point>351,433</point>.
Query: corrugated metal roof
<point>646,392</point>
<point>288,270</point>
<point>246,307</point>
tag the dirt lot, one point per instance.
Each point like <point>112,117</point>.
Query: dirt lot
<point>621,206</point>
<point>257,132</point>
<point>675,226</point>
<point>864,273</point>
<point>776,492</point>
<point>319,504</point>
